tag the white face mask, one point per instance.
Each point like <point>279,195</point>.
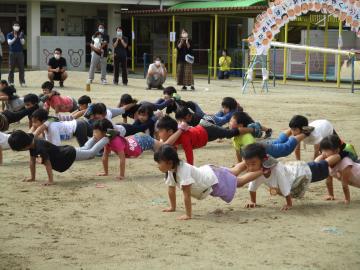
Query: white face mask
<point>157,62</point>
<point>101,30</point>
<point>119,33</point>
<point>57,56</point>
<point>16,28</point>
<point>185,35</point>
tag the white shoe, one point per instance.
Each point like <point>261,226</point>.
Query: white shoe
<point>23,85</point>
<point>103,82</point>
<point>89,81</point>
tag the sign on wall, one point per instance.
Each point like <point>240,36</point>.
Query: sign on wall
<point>73,50</point>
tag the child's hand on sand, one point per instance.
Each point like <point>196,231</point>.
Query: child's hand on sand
<point>28,179</point>
<point>183,217</point>
<point>329,198</point>
<point>250,205</point>
<point>169,209</point>
<point>286,207</point>
<point>102,174</point>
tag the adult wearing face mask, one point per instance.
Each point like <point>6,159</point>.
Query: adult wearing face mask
<point>16,40</point>
<point>99,52</point>
<point>57,68</point>
<point>184,68</point>
<point>120,43</point>
<point>156,75</point>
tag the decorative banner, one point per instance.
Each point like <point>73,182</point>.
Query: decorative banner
<point>280,12</point>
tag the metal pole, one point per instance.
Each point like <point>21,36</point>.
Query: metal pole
<point>211,38</point>
<point>209,67</point>
<point>338,80</point>
<point>307,53</point>
<point>144,58</point>
<point>352,73</point>
<point>215,44</point>
<point>326,44</point>
<point>132,44</point>
<point>285,53</point>
<point>169,49</point>
<point>173,49</point>
<point>225,33</point>
<point>243,61</point>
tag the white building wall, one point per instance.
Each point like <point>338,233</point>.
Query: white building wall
<point>33,32</point>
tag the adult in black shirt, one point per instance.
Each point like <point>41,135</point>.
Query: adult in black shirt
<point>57,68</point>
<point>120,43</point>
<point>184,69</point>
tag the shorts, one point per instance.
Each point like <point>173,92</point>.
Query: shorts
<point>226,186</point>
<point>57,76</point>
<point>145,141</point>
<point>319,170</point>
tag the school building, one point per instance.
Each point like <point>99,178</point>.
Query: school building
<point>153,25</point>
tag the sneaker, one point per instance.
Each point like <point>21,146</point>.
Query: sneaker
<point>111,133</point>
<point>148,88</point>
<point>183,88</point>
<point>125,84</point>
<point>23,85</point>
<point>89,111</point>
<point>61,84</point>
<point>89,81</point>
<point>268,133</point>
<point>307,130</point>
<point>192,88</point>
<point>269,162</point>
<point>103,82</point>
<point>161,87</point>
<point>12,84</point>
<point>115,83</point>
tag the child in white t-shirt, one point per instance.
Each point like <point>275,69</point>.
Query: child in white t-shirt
<point>4,145</point>
<point>56,131</point>
<point>322,129</point>
<point>197,182</point>
<point>287,179</point>
<point>346,170</point>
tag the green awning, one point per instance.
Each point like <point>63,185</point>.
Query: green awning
<point>218,4</point>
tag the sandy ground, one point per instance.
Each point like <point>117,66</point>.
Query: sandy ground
<point>74,225</point>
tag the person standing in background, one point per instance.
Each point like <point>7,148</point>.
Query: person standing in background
<point>2,40</point>
<point>120,43</point>
<point>184,68</point>
<point>16,40</point>
<point>99,48</point>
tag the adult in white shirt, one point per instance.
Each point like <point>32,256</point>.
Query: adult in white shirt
<point>156,75</point>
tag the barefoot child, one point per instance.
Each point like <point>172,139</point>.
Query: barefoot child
<point>287,179</point>
<point>126,147</point>
<point>346,170</point>
<point>58,158</point>
<point>197,182</point>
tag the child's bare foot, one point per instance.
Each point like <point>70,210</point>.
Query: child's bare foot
<point>183,217</point>
<point>168,210</point>
<point>28,180</point>
<point>48,184</point>
<point>285,207</point>
<point>347,202</point>
<point>120,177</point>
<point>329,198</point>
<point>102,174</point>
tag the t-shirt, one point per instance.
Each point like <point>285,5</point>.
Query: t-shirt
<point>14,117</point>
<point>104,37</point>
<point>57,63</point>
<point>355,171</point>
<point>60,131</point>
<point>224,63</point>
<point>128,145</point>
<point>157,71</point>
<point>242,140</point>
<point>66,103</point>
<point>282,176</point>
<point>16,46</point>
<point>322,129</point>
<point>4,137</point>
<point>201,179</point>
<point>61,157</point>
<point>183,51</point>
<point>120,50</point>
<point>193,138</point>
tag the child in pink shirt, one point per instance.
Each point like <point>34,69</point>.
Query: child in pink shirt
<point>53,100</point>
<point>346,170</point>
<point>128,147</point>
